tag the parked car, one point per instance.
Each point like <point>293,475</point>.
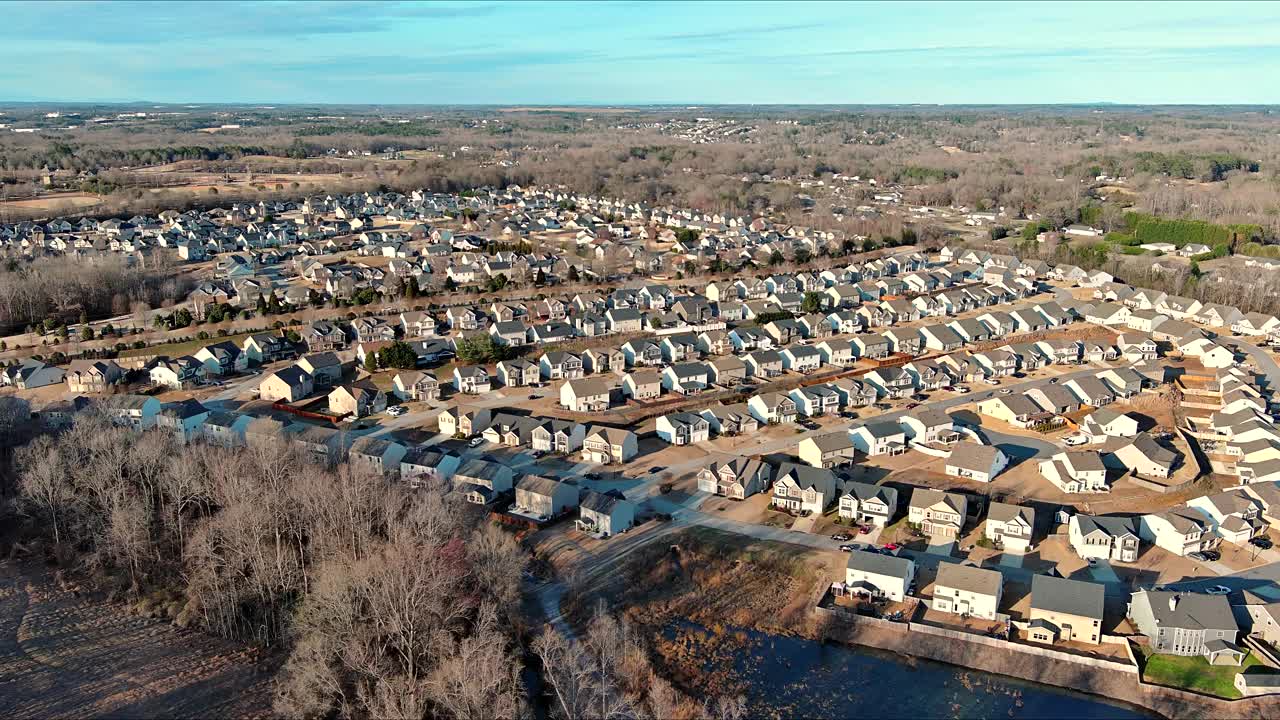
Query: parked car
<point>1212,555</point>
<point>1053,380</point>
<point>476,442</point>
<point>847,548</point>
<point>1075,439</point>
<point>1198,556</point>
<point>1006,391</point>
<point>537,454</point>
<point>891,546</point>
<point>1218,590</point>
<point>1261,542</point>
<point>841,537</point>
<point>913,406</point>
<point>396,410</point>
<point>863,530</point>
<point>962,389</point>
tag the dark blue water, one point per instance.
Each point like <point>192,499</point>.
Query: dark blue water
<point>787,677</point>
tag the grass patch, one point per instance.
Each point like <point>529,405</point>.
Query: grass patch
<point>1196,674</point>
<point>178,349</point>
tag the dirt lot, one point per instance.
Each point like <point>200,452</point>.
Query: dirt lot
<point>68,656</point>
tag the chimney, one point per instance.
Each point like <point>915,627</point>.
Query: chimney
<point>1173,603</point>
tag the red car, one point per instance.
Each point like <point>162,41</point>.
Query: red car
<point>891,546</point>
<point>864,530</point>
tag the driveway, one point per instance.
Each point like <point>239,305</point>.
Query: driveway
<point>805,524</point>
<point>941,547</point>
<point>1011,560</point>
<point>1104,573</point>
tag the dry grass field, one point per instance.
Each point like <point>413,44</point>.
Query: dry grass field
<point>64,655</point>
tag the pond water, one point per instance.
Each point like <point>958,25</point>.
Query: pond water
<point>788,677</point>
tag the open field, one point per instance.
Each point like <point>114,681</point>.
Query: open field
<point>64,655</point>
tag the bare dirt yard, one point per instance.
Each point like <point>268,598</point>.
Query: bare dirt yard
<point>65,655</point>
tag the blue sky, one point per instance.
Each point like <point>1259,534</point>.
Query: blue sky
<point>642,52</point>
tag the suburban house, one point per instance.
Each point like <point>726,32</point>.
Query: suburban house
<point>605,445</point>
<point>803,489</point>
<point>554,435</point>
<point>938,514</point>
<point>971,461</point>
<point>183,419</point>
<point>605,514</point>
<point>891,382</point>
<point>288,384</point>
<point>733,419</point>
<point>421,464</point>
<point>1179,530</point>
<point>376,456</point>
<point>544,498</point>
<point>560,365</point>
<point>1065,610</point>
<point>1017,410</point>
<point>137,412</point>
<point>325,368</point>
<point>585,395</point>
<point>816,400</point>
<point>1076,471</point>
<point>471,380</point>
<point>763,364</point>
<point>688,378</point>
<point>415,385</point>
<point>1235,515</point>
<point>643,384</point>
<point>880,438</point>
<point>358,399</point>
<point>176,374</point>
<point>772,408</point>
<point>1010,526</point>
<point>1102,537</point>
<point>826,451</point>
<point>92,376</point>
<point>738,478</point>
<point>224,358</point>
<point>967,590</point>
<point>458,421</point>
<point>1188,624</point>
<point>481,482</point>
<point>262,348</point>
<point>868,504</point>
<point>1105,423</point>
<point>879,576</point>
<point>929,425</point>
<point>1144,457</point>
<point>1089,391</point>
<point>683,428</point>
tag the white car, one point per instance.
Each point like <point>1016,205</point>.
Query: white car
<point>1218,590</point>
<point>961,389</point>
<point>1076,439</point>
<point>396,410</point>
<point>476,442</point>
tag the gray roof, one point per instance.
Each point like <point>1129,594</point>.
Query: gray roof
<point>538,485</point>
<point>600,502</point>
<point>972,456</point>
<point>879,564</point>
<point>968,578</point>
<point>1070,597</point>
<point>1004,512</point>
<point>1193,611</point>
